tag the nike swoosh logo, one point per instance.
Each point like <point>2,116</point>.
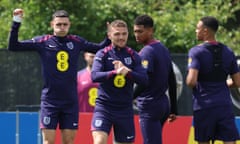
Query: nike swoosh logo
<point>130,137</point>
<point>84,82</point>
<point>110,58</point>
<point>52,46</point>
<point>75,124</point>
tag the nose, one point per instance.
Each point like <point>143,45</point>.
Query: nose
<point>137,34</point>
<point>121,36</point>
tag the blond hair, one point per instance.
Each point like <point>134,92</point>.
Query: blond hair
<point>117,23</point>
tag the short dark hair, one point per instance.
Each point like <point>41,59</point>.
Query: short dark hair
<point>144,20</point>
<point>210,22</point>
<point>60,13</point>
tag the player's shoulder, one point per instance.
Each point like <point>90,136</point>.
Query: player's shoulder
<point>198,47</point>
<point>156,44</point>
<point>133,53</point>
<point>42,38</point>
<point>196,50</point>
<point>107,49</point>
<point>151,48</point>
<point>130,50</point>
<point>102,53</point>
<point>225,47</point>
<point>81,71</point>
<point>76,38</point>
<point>148,50</point>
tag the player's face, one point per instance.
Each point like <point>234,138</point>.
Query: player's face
<point>60,26</point>
<point>118,36</point>
<point>200,31</point>
<point>89,58</point>
<point>142,34</point>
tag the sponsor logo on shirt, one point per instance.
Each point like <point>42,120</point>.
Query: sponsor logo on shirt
<point>62,61</point>
<point>92,93</point>
<point>119,81</point>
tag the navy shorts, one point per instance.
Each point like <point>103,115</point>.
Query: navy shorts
<point>152,118</point>
<point>122,123</point>
<point>66,116</point>
<point>216,123</point>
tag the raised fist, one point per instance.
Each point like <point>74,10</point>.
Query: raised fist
<point>18,11</point>
<point>18,15</point>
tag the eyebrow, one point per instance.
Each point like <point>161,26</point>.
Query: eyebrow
<point>59,24</point>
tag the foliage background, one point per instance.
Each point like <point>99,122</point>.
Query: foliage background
<point>175,20</point>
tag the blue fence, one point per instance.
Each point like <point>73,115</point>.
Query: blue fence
<point>23,128</point>
<point>19,128</point>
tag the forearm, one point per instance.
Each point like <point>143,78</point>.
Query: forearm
<point>138,89</point>
<point>138,77</point>
<point>98,76</point>
<point>13,37</point>
<point>172,91</point>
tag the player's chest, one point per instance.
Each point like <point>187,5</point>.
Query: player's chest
<point>126,59</point>
<point>58,50</point>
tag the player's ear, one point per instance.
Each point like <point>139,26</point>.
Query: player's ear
<point>205,29</point>
<point>69,24</point>
<point>51,24</point>
<point>150,30</point>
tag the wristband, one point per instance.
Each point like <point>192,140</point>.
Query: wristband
<point>17,18</point>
